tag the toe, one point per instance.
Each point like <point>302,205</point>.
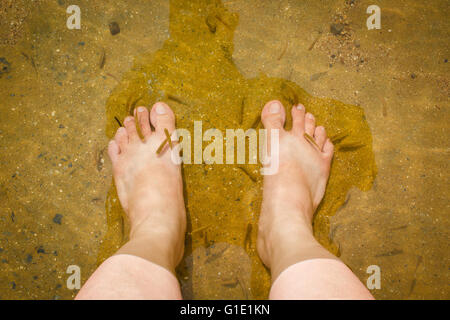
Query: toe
<point>298,119</point>
<point>273,115</point>
<point>130,125</point>
<point>328,149</point>
<point>310,124</point>
<point>162,117</point>
<point>121,139</point>
<point>113,151</point>
<point>320,136</point>
<point>144,121</point>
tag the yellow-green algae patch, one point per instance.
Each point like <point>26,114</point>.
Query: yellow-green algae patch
<point>195,74</point>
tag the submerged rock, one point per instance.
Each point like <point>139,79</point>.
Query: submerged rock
<point>114,28</point>
<point>57,218</point>
<point>336,28</point>
<point>5,66</point>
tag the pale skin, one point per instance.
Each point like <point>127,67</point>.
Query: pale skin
<point>150,189</point>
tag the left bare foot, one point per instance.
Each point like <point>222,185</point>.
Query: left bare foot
<point>150,187</point>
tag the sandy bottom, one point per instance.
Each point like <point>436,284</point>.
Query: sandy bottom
<point>61,89</point>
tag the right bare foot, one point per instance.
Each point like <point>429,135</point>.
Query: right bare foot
<point>291,196</point>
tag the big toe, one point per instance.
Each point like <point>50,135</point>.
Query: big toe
<point>273,115</point>
<point>162,117</point>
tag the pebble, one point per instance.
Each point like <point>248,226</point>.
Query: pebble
<point>114,28</point>
<point>336,28</point>
<point>57,218</point>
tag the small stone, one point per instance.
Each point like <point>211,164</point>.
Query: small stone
<point>40,249</point>
<point>5,66</point>
<point>57,218</point>
<point>29,258</point>
<point>336,28</point>
<point>114,28</point>
<point>413,76</point>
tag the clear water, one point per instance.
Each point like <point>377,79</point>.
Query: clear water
<point>219,61</point>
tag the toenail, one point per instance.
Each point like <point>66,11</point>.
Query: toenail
<point>300,107</point>
<point>275,107</point>
<point>310,116</point>
<point>160,109</point>
<point>141,109</point>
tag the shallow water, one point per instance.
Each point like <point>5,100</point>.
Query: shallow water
<point>219,62</point>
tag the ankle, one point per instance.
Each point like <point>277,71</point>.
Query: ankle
<point>291,240</point>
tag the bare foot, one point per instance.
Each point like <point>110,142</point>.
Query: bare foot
<point>291,196</point>
<point>150,187</point>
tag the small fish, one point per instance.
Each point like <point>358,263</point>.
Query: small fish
<point>351,146</point>
<point>283,52</point>
<point>96,200</point>
<point>289,94</point>
<point>338,253</point>
<point>244,290</point>
<point>207,243</point>
<point>385,113</point>
<point>223,22</point>
<point>201,229</point>
<point>112,76</point>
<point>251,176</point>
<point>217,255</point>
<point>339,137</point>
<point>317,76</point>
<point>310,140</point>
<point>102,61</point>
<point>400,228</point>
<point>161,147</point>
<point>122,226</point>
<point>30,58</point>
<point>347,199</point>
<point>131,105</point>
<point>211,23</point>
<point>169,139</point>
<point>231,283</point>
<point>118,121</point>
<point>332,233</point>
<point>413,285</point>
<point>315,41</point>
<point>241,113</point>
<point>419,261</point>
<point>248,236</point>
<point>176,99</point>
<point>390,253</point>
<point>256,122</point>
